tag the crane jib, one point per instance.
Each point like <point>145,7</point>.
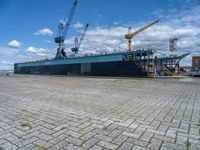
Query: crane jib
<point>142,29</point>
<point>62,32</point>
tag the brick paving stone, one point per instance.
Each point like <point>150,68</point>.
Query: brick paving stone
<point>73,134</point>
<point>147,136</point>
<point>3,141</point>
<point>88,135</point>
<point>26,141</point>
<point>13,139</point>
<point>47,131</point>
<point>114,133</point>
<point>41,142</point>
<point>45,137</point>
<point>103,138</point>
<point>165,148</point>
<point>31,134</point>
<point>87,129</point>
<point>84,125</point>
<point>96,147</point>
<point>88,144</point>
<point>126,146</point>
<point>107,145</point>
<point>28,147</point>
<point>164,138</point>
<point>58,145</point>
<point>58,133</point>
<point>57,139</point>
<point>132,135</point>
<point>136,147</point>
<point>8,146</point>
<point>155,144</point>
<point>137,142</point>
<point>119,140</point>
<point>133,125</point>
<point>73,147</point>
<point>74,141</point>
<point>60,127</point>
<point>5,135</point>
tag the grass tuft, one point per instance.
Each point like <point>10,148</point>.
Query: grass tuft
<point>24,125</point>
<point>198,124</point>
<point>43,147</point>
<point>187,144</point>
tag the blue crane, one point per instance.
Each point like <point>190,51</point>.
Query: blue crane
<point>78,43</point>
<point>63,28</point>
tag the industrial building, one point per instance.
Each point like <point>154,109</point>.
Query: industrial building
<point>196,62</point>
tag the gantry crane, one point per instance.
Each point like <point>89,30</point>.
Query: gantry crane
<point>77,42</point>
<point>130,35</point>
<point>63,28</point>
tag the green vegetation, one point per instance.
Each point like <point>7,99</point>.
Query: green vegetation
<point>63,128</point>
<point>43,147</point>
<point>199,133</point>
<point>188,144</point>
<point>198,124</point>
<point>24,125</point>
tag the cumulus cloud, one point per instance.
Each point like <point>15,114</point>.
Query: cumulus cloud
<point>8,56</point>
<point>14,44</point>
<point>36,50</point>
<point>44,31</point>
<point>34,53</point>
<point>4,62</point>
<point>78,25</point>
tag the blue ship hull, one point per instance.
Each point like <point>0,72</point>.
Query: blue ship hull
<point>119,68</point>
<point>101,65</point>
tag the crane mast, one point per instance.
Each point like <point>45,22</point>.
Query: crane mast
<point>130,35</point>
<point>78,43</point>
<point>63,28</point>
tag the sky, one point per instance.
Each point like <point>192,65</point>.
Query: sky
<point>28,27</point>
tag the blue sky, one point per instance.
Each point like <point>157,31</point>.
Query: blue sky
<point>29,26</point>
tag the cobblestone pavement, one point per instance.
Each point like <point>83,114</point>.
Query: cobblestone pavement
<point>42,112</point>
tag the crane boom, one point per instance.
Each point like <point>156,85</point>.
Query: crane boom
<point>83,35</point>
<point>130,35</point>
<point>78,44</point>
<point>70,18</point>
<point>63,28</point>
<point>64,25</point>
<point>144,28</point>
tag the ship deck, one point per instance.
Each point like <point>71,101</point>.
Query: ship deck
<point>86,59</point>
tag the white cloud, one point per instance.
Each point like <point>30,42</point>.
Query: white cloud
<point>33,53</point>
<point>36,50</point>
<point>44,31</point>
<point>78,25</point>
<point>9,56</point>
<point>4,62</point>
<point>14,44</point>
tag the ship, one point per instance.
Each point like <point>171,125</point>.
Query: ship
<point>116,64</point>
<point>138,63</point>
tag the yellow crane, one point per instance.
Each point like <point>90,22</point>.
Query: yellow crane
<point>130,35</point>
